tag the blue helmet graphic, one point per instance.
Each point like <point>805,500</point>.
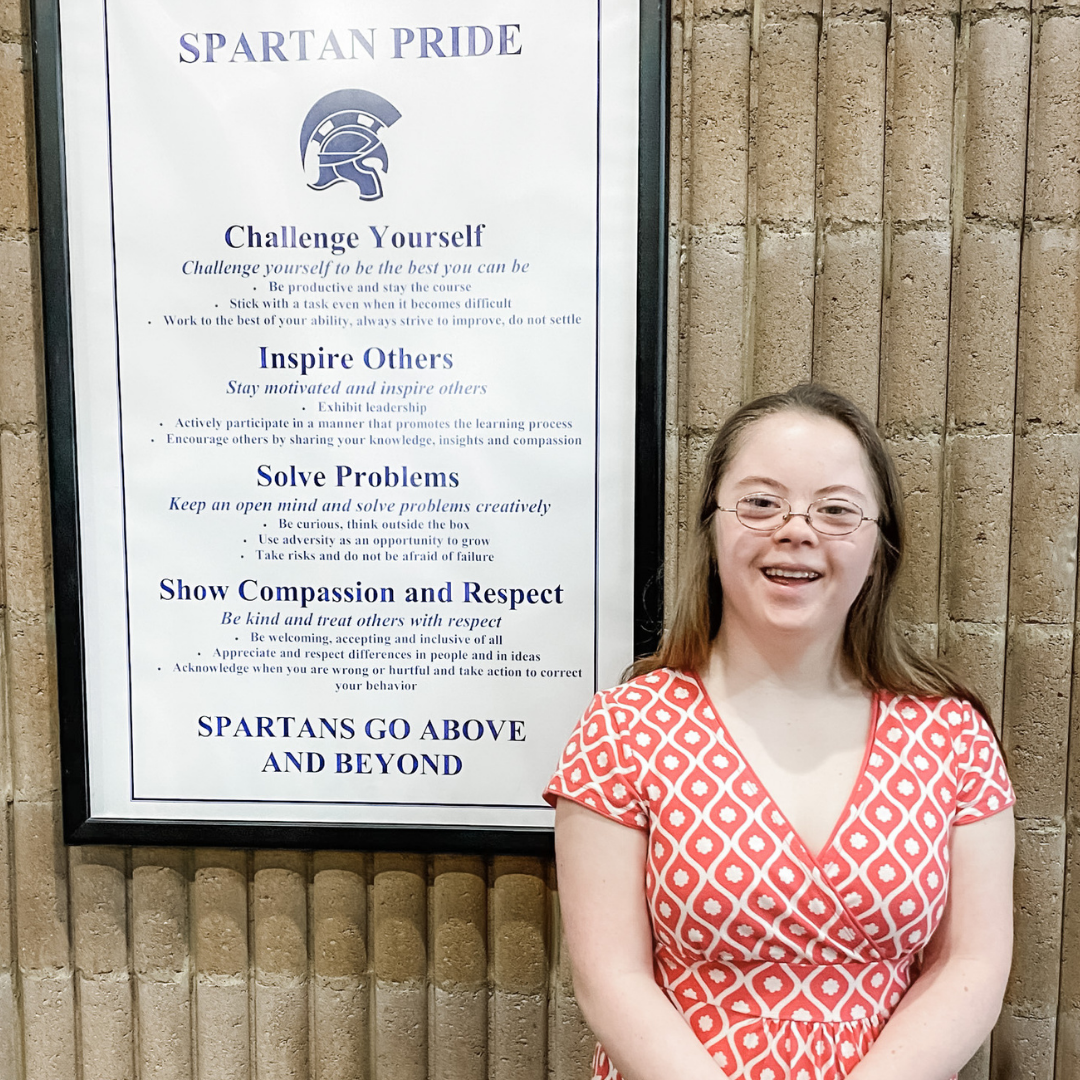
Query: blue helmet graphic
<point>344,128</point>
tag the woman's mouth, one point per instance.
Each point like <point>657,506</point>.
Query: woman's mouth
<point>777,573</point>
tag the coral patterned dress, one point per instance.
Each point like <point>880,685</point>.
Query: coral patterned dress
<point>784,965</point>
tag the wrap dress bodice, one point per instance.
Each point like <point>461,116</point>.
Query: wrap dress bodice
<point>786,965</point>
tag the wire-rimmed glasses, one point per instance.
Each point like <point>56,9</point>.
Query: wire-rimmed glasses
<point>831,516</point>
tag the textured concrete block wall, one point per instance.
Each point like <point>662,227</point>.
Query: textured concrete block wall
<point>883,197</point>
<point>906,230</point>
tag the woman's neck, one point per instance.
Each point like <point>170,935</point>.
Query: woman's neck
<point>741,661</point>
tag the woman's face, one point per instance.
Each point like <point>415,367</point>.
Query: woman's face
<point>794,580</point>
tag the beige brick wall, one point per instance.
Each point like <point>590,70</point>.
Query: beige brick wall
<point>884,198</point>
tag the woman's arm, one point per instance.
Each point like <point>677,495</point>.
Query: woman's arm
<point>955,1001</point>
<point>601,867</point>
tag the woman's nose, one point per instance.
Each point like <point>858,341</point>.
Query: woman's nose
<point>803,529</point>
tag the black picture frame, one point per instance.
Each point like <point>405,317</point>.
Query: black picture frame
<point>79,826</point>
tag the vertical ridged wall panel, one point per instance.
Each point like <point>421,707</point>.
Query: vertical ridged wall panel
<point>519,960</point>
<point>571,1043</point>
<point>161,958</point>
<point>1068,1015</point>
<point>219,914</point>
<point>851,125</point>
<point>1042,580</point>
<point>400,952</point>
<point>459,968</point>
<point>100,933</point>
<point>280,935</point>
<point>918,263</point>
<point>341,1045</point>
<point>20,417</point>
<point>783,154</point>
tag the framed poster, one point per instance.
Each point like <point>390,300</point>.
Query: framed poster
<point>354,342</point>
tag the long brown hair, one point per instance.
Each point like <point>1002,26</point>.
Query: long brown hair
<point>873,648</point>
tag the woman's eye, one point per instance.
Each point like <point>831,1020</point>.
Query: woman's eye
<point>760,502</point>
<point>838,509</point>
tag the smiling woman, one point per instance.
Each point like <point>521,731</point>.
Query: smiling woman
<point>783,572</point>
<point>759,868</point>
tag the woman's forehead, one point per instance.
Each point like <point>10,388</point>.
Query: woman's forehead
<point>795,449</point>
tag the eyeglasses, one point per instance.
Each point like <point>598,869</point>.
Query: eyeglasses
<point>767,513</point>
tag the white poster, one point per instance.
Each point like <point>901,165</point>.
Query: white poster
<point>353,305</point>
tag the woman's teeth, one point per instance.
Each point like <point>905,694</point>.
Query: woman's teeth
<point>801,575</point>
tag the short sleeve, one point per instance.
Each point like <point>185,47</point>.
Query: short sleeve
<point>598,768</point>
<point>983,787</point>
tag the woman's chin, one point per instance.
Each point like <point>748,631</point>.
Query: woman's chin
<point>794,622</point>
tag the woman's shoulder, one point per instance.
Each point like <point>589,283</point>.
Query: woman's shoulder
<point>944,723</point>
<point>649,698</point>
<point>912,705</point>
<point>642,690</point>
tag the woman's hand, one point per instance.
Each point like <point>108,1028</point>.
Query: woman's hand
<point>601,866</point>
<point>955,1001</point>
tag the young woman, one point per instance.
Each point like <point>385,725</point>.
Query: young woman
<point>785,847</point>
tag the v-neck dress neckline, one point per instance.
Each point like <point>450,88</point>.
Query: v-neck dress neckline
<point>857,787</point>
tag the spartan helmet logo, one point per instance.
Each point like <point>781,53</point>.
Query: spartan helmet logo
<point>345,130</point>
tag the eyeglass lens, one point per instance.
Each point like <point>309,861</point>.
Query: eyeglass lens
<point>833,517</point>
